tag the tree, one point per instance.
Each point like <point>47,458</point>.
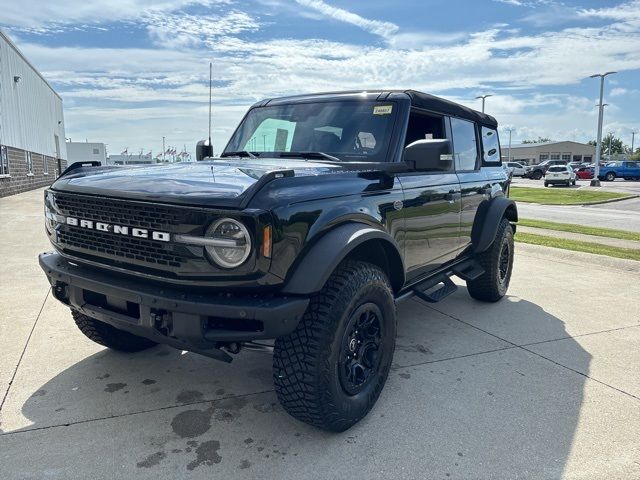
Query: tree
<point>539,140</point>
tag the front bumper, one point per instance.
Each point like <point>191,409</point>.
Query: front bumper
<point>171,315</point>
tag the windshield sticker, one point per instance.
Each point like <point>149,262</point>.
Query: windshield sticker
<point>382,109</point>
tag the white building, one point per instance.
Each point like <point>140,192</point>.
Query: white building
<point>534,153</point>
<point>32,147</point>
<point>130,160</point>
<point>86,152</point>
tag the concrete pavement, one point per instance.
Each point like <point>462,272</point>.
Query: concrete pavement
<point>540,385</point>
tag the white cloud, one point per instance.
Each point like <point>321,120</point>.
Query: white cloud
<point>376,27</point>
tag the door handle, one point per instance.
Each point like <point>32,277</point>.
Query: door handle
<point>452,196</point>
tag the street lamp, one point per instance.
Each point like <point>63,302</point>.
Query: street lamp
<point>510,129</point>
<point>596,182</point>
<point>483,97</point>
<point>633,137</point>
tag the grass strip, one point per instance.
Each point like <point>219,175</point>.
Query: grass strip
<point>562,196</point>
<point>583,229</point>
<point>578,246</point>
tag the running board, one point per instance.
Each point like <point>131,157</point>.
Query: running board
<point>468,270</point>
<point>426,290</point>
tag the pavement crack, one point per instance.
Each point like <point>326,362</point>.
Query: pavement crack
<point>26,344</point>
<point>139,412</point>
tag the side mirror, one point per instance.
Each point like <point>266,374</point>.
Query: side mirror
<point>429,154</point>
<point>203,150</point>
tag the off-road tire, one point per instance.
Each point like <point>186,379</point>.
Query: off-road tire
<point>109,336</point>
<point>306,363</point>
<point>492,285</point>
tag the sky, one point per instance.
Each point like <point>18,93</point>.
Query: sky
<point>133,71</point>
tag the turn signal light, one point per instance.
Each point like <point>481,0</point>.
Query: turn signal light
<point>266,242</point>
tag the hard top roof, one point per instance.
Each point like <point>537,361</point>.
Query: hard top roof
<point>418,99</point>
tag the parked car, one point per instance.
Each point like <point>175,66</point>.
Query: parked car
<point>538,171</point>
<point>516,169</point>
<point>560,175</point>
<point>585,173</point>
<point>308,237</point>
<point>626,170</point>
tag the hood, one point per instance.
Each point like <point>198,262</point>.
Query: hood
<point>224,182</point>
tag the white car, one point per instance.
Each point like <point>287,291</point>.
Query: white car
<point>516,169</point>
<point>560,175</point>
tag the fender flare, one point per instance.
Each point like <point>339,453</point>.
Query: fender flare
<point>488,218</point>
<point>312,270</point>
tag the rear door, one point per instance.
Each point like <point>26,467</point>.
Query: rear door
<point>474,185</point>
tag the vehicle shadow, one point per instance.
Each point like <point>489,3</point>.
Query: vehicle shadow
<point>459,403</point>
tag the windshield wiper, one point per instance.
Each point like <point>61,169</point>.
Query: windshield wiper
<point>239,153</point>
<point>326,156</point>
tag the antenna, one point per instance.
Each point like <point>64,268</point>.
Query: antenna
<point>210,81</point>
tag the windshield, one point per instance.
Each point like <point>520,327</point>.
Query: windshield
<point>350,131</point>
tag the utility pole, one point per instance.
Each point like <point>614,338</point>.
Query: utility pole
<point>510,129</point>
<point>483,97</point>
<point>596,182</point>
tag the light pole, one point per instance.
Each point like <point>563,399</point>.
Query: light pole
<point>483,97</point>
<point>509,130</point>
<point>633,137</point>
<point>596,182</point>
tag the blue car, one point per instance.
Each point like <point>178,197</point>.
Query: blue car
<point>626,170</point>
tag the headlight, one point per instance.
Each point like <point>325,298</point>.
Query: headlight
<point>228,242</point>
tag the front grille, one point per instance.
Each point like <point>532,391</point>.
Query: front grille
<point>141,253</point>
<point>158,217</point>
<point>101,243</point>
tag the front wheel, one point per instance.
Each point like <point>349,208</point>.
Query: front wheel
<point>497,262</point>
<point>331,369</point>
<point>537,175</point>
<point>610,177</point>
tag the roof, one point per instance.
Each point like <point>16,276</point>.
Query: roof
<point>418,99</point>
<point>21,55</point>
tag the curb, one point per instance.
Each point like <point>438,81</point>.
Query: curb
<point>599,202</point>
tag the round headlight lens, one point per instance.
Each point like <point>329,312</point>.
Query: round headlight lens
<point>230,242</point>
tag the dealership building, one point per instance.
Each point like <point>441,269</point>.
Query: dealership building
<point>79,152</point>
<point>32,146</point>
<point>533,153</point>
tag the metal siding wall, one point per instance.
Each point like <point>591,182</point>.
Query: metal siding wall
<point>29,110</point>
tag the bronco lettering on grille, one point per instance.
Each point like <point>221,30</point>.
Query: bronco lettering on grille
<point>119,229</point>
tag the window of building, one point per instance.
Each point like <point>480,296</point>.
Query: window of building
<point>555,156</point>
<point>544,156</point>
<point>587,158</point>
<point>490,145</point>
<point>465,146</point>
<point>4,161</point>
<point>27,157</point>
<point>45,165</point>
<point>96,151</point>
<point>566,157</point>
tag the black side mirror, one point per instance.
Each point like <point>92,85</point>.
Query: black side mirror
<point>429,154</point>
<point>203,150</point>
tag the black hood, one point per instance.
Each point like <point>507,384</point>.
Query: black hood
<point>221,182</point>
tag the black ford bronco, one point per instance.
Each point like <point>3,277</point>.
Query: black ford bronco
<point>322,212</point>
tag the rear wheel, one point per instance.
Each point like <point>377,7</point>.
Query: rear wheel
<point>497,262</point>
<point>546,184</point>
<point>537,175</point>
<point>109,336</point>
<point>331,369</point>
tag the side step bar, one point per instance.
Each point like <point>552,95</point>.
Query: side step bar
<point>428,292</point>
<point>440,286</point>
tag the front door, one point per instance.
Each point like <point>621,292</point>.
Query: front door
<point>431,206</point>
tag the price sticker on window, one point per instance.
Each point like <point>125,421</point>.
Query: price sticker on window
<point>382,109</point>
